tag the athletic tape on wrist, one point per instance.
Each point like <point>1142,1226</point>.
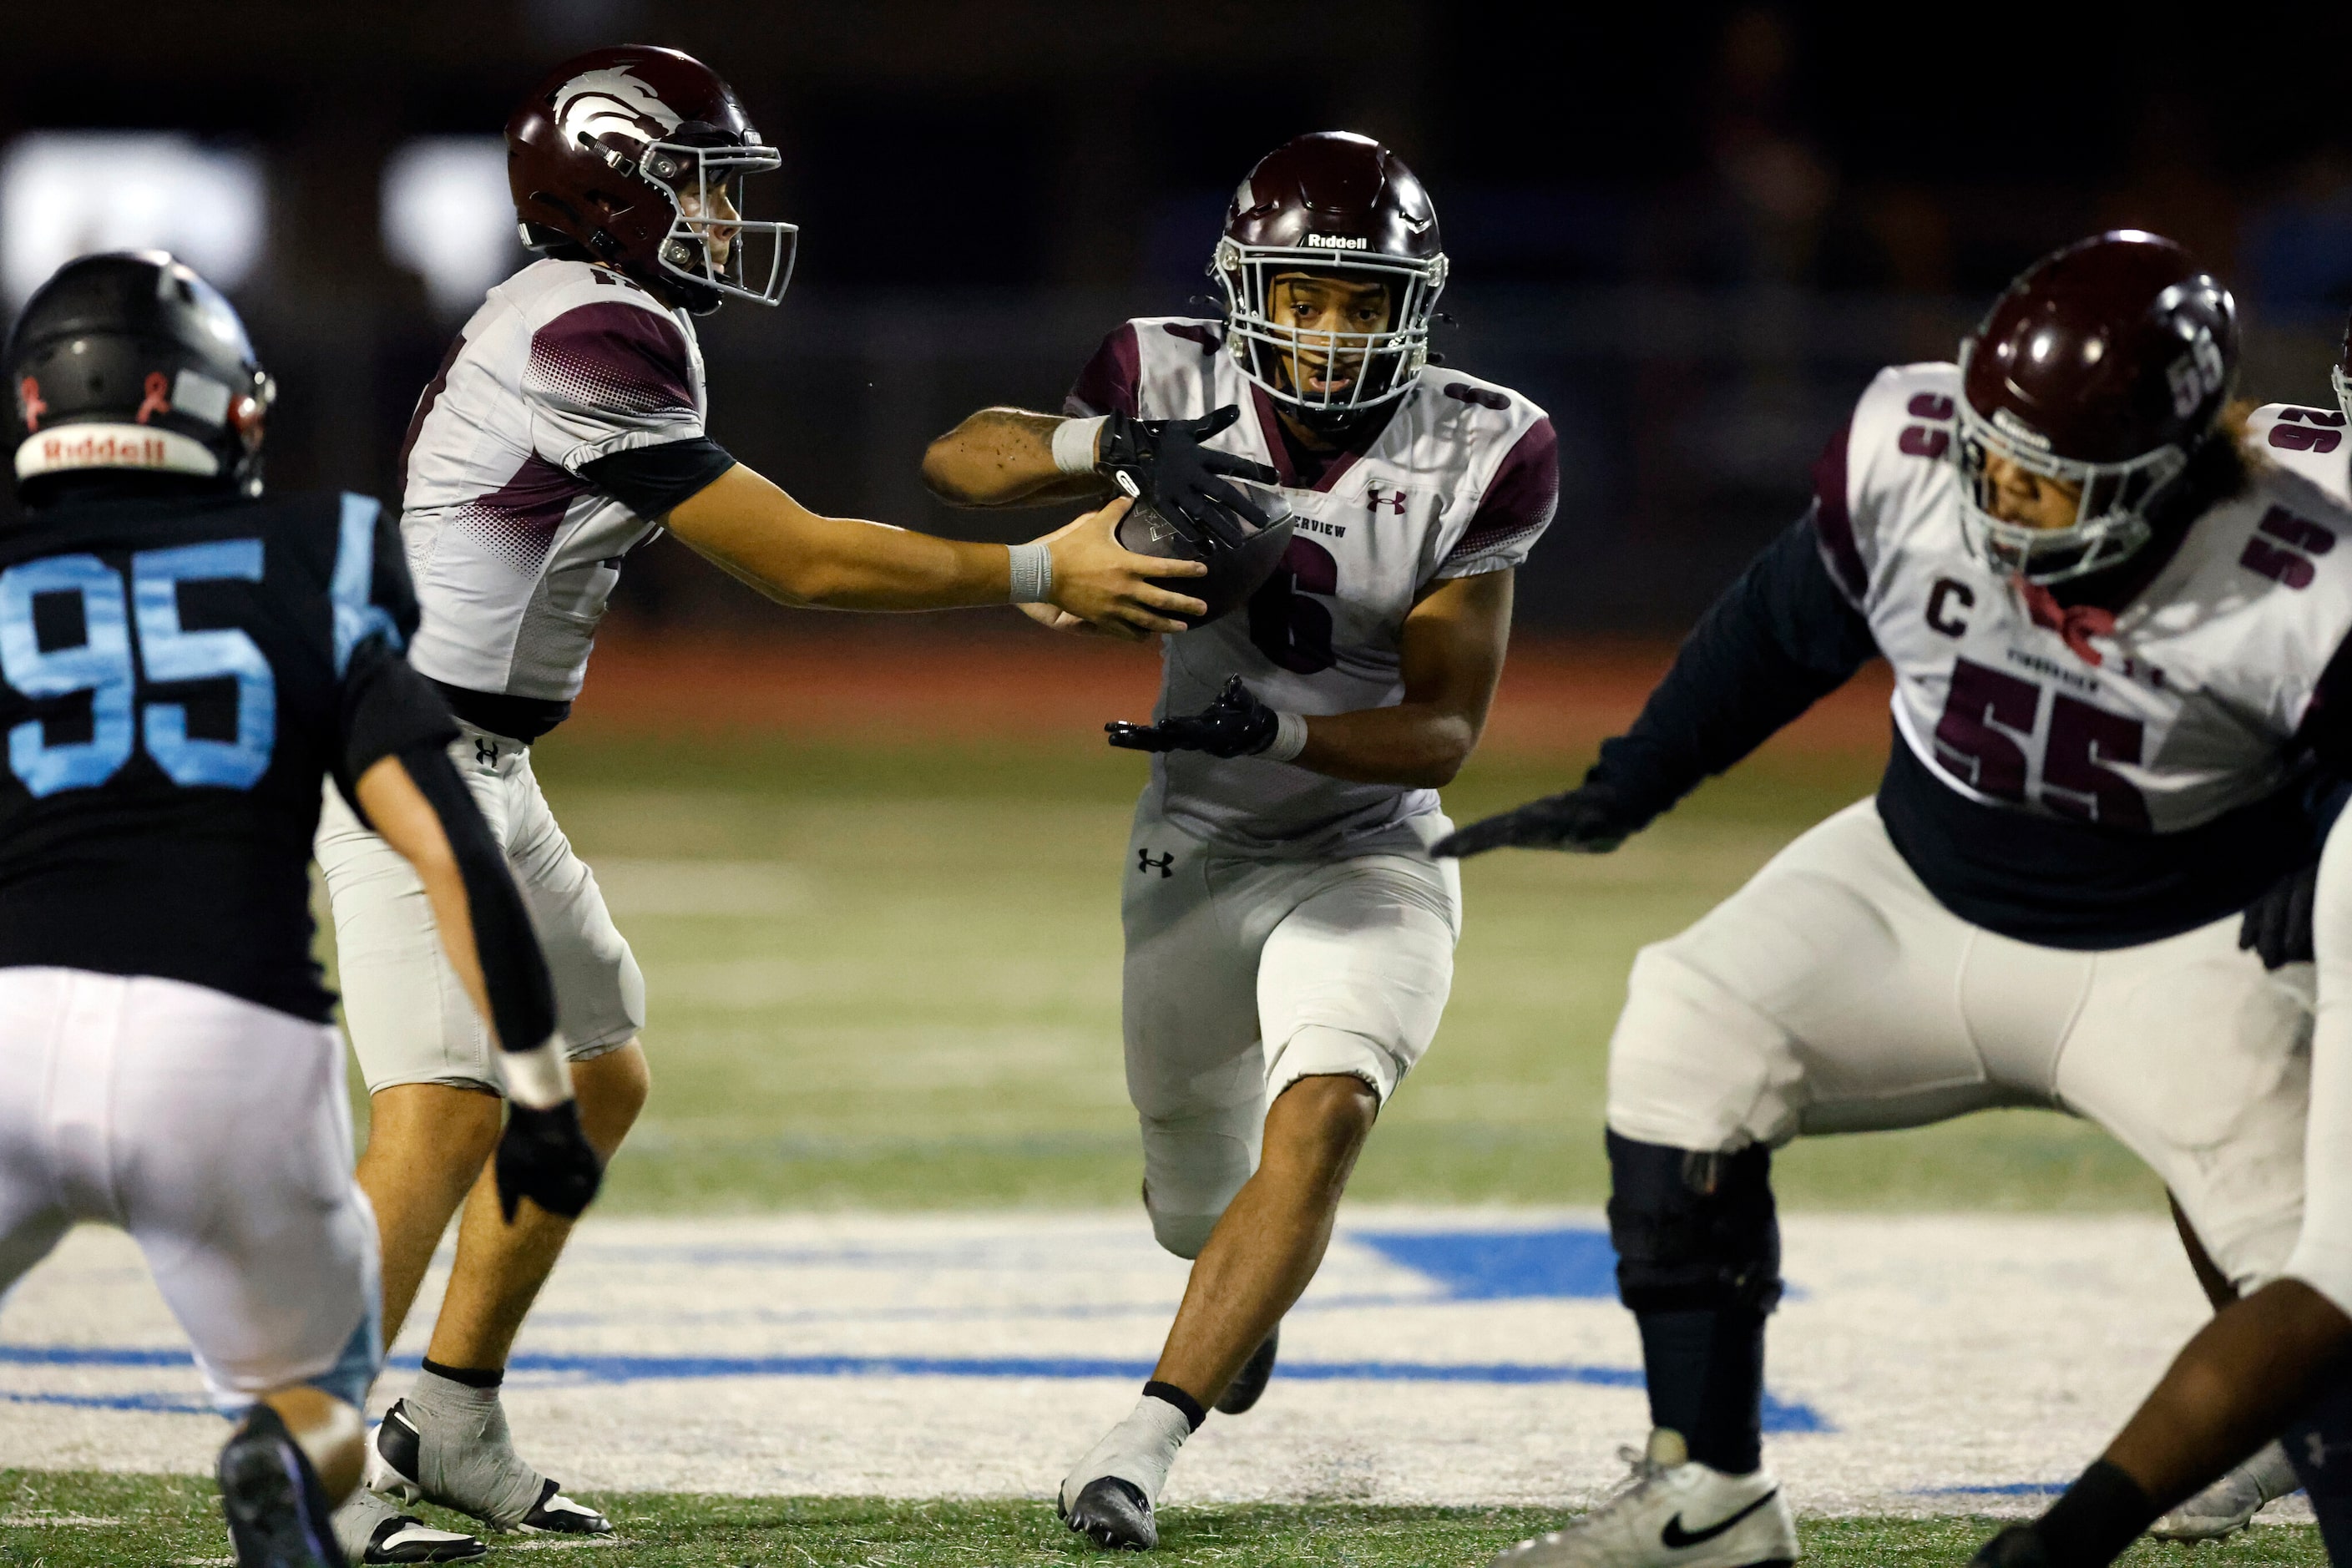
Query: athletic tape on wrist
<point>1289,738</point>
<point>1073,444</point>
<point>1033,574</point>
<point>540,1078</point>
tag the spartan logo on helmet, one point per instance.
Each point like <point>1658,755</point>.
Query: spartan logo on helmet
<point>636,157</point>
<point>611,103</point>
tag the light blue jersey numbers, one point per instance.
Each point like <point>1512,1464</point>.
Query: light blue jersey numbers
<point>102,665</point>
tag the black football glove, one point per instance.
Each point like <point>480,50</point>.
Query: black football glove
<point>1235,725</point>
<point>1583,821</point>
<point>1184,480</point>
<point>2278,924</point>
<point>544,1156</point>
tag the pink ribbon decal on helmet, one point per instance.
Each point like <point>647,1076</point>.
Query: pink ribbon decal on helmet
<point>157,400</point>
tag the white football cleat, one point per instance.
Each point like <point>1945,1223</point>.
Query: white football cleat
<point>2230,1504</point>
<point>1672,1512</point>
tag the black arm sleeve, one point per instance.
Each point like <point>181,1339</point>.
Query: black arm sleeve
<point>514,971</point>
<point>387,709</point>
<point>1780,637</point>
<point>650,480</point>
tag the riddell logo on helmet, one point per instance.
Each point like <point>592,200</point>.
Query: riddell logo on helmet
<point>62,451</point>
<point>1338,242</point>
<point>2017,429</point>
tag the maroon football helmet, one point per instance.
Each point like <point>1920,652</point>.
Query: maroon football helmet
<point>2104,365</point>
<point>636,157</point>
<point>1331,204</point>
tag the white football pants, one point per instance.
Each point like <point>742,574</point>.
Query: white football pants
<point>410,1019</point>
<point>216,1132</point>
<point>2323,1255</point>
<point>1245,975</point>
<point>1833,994</point>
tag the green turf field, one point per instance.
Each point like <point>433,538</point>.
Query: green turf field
<point>889,976</point>
<point>152,1520</point>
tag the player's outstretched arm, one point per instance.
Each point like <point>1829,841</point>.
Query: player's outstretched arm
<point>416,802</point>
<point>1778,639</point>
<point>1451,655</point>
<point>1006,457</point>
<point>750,528</point>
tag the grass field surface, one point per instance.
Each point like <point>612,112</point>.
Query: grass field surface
<point>79,1520</point>
<point>888,974</point>
<point>873,888</point>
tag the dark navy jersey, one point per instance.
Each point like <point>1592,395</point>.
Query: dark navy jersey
<point>176,677</point>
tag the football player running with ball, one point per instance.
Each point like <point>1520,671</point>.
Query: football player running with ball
<point>2280,1361</point>
<point>1289,940</point>
<point>182,663</point>
<point>2115,631</point>
<point>564,429</point>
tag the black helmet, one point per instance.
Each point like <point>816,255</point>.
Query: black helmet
<point>130,361</point>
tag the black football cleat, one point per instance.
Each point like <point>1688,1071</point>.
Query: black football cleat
<point>278,1512</point>
<point>555,1514</point>
<point>1250,1382</point>
<point>2016,1547</point>
<point>1113,1514</point>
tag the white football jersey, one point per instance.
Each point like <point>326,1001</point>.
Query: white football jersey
<point>1462,480</point>
<point>2312,442</point>
<point>2160,717</point>
<point>513,551</point>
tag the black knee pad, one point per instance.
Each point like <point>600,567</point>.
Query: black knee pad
<point>1694,1231</point>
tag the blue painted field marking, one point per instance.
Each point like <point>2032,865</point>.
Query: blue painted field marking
<point>2013,1489</point>
<point>1780,1415</point>
<point>165,1404</point>
<point>1575,1263</point>
<point>95,1356</point>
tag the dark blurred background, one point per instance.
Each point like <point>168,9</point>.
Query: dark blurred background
<point>1690,231</point>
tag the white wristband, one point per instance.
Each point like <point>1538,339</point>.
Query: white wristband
<point>1073,444</point>
<point>540,1078</point>
<point>1033,572</point>
<point>1289,738</point>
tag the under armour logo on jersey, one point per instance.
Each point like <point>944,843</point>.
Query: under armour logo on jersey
<point>486,752</point>
<point>1374,500</point>
<point>1165,865</point>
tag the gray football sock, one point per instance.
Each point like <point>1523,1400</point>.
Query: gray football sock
<point>466,1457</point>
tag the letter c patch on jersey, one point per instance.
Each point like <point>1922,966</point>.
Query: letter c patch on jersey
<point>1941,615</point>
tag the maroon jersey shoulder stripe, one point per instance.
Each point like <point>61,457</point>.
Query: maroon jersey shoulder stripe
<point>1832,523</point>
<point>1521,496</point>
<point>1111,381</point>
<point>617,356</point>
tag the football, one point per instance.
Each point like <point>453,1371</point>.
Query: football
<point>1234,574</point>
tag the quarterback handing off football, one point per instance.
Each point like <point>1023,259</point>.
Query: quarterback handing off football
<point>1189,505</point>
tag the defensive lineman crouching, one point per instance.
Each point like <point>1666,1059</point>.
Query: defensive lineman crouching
<point>2114,632</point>
<point>180,663</point>
<point>1289,941</point>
